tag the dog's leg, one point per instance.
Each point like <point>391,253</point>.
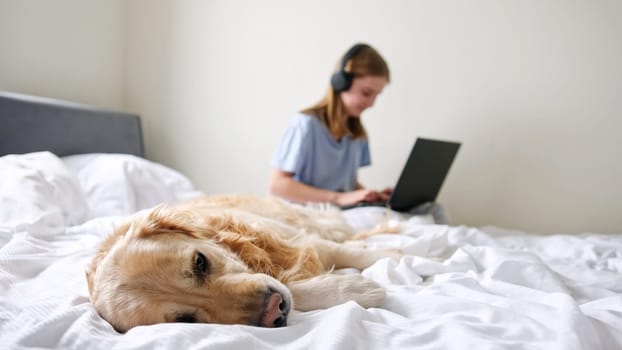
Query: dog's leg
<point>390,223</point>
<point>339,255</point>
<point>328,290</point>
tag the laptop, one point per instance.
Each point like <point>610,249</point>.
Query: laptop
<point>422,176</point>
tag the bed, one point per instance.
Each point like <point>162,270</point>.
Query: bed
<point>69,173</point>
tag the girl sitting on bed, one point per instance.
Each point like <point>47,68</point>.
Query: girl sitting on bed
<point>319,155</point>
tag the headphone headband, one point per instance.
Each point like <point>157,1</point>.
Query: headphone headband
<point>351,53</point>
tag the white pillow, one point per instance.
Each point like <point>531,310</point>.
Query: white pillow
<point>121,184</point>
<point>37,190</point>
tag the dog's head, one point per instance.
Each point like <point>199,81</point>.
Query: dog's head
<point>172,266</point>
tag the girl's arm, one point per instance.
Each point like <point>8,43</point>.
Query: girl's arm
<point>282,184</point>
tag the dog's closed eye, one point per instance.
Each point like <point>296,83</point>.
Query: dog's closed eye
<point>186,318</point>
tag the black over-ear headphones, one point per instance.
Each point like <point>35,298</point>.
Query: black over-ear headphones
<point>341,80</point>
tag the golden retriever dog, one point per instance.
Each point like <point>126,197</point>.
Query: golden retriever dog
<point>229,260</point>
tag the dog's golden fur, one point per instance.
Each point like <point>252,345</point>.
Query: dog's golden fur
<point>231,260</point>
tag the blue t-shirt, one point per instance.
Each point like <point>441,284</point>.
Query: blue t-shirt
<point>308,150</point>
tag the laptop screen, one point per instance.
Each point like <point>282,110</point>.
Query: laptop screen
<point>424,173</point>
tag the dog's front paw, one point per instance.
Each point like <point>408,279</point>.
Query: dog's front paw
<point>364,291</point>
<point>328,290</point>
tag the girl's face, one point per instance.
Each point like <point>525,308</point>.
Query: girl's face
<point>362,94</point>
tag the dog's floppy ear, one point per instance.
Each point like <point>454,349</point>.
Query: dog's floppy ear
<point>242,239</point>
<point>264,251</point>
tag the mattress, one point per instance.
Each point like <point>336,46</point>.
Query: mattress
<point>456,287</point>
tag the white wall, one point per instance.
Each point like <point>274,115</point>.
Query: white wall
<point>531,88</point>
<point>67,49</point>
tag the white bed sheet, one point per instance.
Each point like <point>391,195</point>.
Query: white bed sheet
<point>491,289</point>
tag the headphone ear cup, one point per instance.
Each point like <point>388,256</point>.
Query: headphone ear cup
<point>341,81</point>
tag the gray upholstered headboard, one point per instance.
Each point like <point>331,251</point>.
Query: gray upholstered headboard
<point>31,124</point>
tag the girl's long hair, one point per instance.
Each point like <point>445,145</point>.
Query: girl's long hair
<point>330,110</point>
